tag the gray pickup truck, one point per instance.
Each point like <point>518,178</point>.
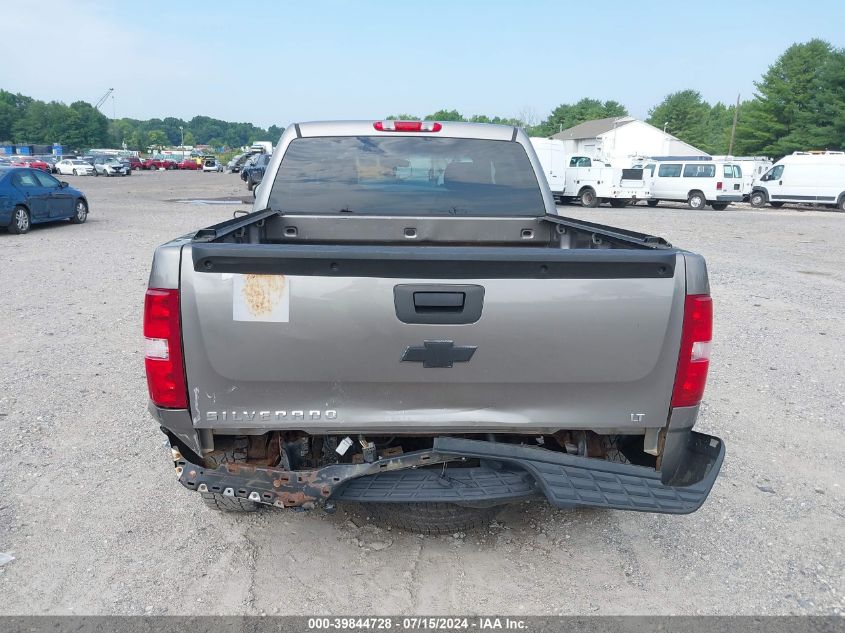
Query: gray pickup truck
<point>405,321</point>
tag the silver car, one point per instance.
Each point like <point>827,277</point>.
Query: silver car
<point>108,166</point>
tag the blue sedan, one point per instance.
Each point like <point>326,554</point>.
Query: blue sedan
<point>31,196</point>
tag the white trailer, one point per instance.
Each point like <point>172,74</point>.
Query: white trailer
<point>586,179</point>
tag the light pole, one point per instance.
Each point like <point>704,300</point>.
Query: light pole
<point>182,143</point>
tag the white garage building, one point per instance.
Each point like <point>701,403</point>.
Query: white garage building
<point>621,140</point>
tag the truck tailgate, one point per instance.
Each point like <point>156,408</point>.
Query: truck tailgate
<point>564,339</point>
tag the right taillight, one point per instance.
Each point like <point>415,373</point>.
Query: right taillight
<point>163,349</point>
<point>694,357</point>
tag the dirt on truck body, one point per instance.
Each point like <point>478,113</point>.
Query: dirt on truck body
<point>405,322</point>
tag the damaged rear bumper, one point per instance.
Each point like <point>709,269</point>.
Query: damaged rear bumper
<point>507,472</point>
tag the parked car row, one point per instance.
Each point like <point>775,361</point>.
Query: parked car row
<point>159,163</point>
<point>108,165</point>
<point>191,163</point>
<point>32,162</point>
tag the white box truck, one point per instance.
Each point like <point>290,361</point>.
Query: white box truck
<point>808,177</point>
<point>265,147</point>
<point>590,181</point>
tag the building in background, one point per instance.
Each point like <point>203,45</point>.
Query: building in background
<point>620,141</point>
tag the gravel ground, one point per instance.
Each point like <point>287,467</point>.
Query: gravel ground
<point>92,513</point>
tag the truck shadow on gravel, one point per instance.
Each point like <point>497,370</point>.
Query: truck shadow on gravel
<point>358,524</point>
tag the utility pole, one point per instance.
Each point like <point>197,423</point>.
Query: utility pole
<point>182,144</point>
<point>733,127</point>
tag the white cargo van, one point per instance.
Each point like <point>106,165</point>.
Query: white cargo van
<point>813,177</point>
<point>752,168</point>
<point>696,182</point>
<point>588,180</point>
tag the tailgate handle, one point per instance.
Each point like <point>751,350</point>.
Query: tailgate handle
<point>438,303</point>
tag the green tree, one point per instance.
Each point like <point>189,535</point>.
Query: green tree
<point>136,140</point>
<point>12,108</point>
<point>445,115</point>
<point>496,120</point>
<point>823,122</point>
<point>716,130</point>
<point>81,126</point>
<point>787,112</point>
<point>684,114</point>
<point>568,115</point>
<point>157,138</point>
<point>72,135</point>
<point>30,126</point>
<point>93,124</point>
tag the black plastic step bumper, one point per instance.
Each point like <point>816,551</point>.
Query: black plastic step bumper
<point>569,480</point>
<point>465,486</point>
<point>508,472</point>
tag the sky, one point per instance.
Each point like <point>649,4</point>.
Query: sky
<point>275,62</point>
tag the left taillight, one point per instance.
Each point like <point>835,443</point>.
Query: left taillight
<point>163,349</point>
<point>694,356</point>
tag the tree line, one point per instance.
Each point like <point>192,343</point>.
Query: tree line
<point>799,104</point>
<point>200,130</point>
<point>27,120</point>
<point>81,126</point>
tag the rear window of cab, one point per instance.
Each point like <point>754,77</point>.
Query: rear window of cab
<point>406,175</point>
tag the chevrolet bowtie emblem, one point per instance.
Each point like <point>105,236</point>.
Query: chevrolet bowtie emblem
<point>438,354</point>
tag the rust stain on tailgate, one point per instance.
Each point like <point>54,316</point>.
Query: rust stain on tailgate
<point>261,293</point>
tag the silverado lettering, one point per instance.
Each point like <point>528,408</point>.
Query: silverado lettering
<point>267,416</point>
